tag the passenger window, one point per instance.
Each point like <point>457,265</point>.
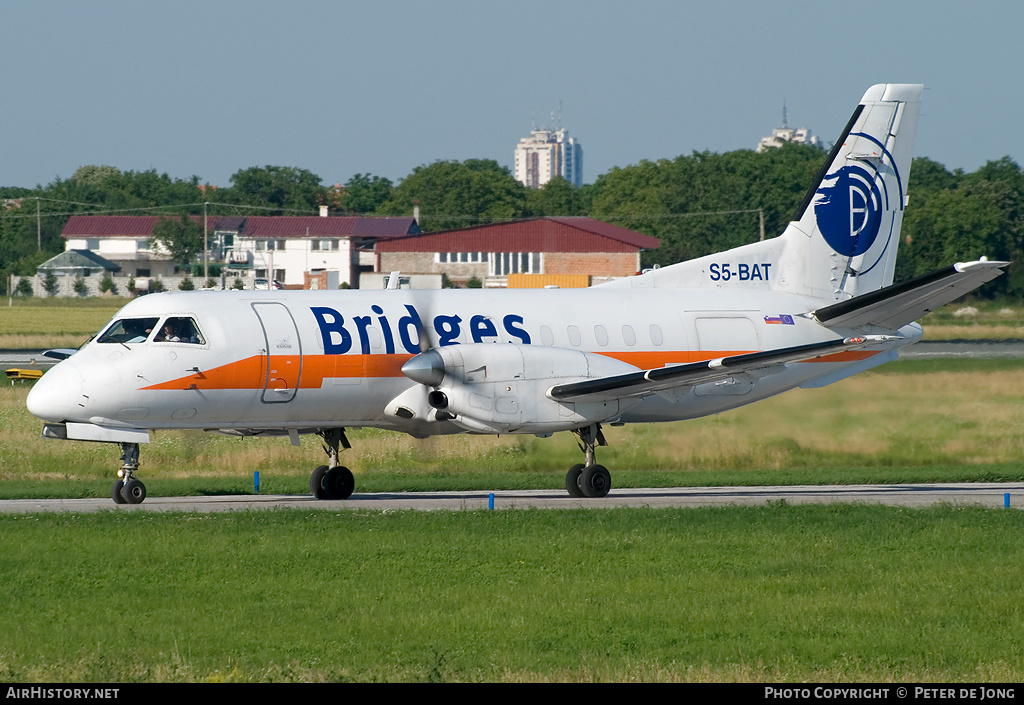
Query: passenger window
<point>574,336</point>
<point>628,336</point>
<point>602,335</point>
<point>179,329</point>
<point>129,330</point>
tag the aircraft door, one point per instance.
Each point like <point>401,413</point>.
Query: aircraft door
<point>282,350</point>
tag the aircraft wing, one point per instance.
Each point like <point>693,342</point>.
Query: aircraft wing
<point>646,382</point>
<point>897,305</point>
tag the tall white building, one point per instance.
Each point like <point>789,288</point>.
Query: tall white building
<point>546,154</point>
<point>800,135</point>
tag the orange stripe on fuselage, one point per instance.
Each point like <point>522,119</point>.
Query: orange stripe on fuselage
<point>251,372</point>
<point>243,374</point>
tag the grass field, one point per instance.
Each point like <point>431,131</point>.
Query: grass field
<point>779,593</point>
<point>37,324</point>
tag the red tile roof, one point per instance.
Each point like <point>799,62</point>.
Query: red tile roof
<point>340,226</point>
<point>264,226</point>
<point>538,235</point>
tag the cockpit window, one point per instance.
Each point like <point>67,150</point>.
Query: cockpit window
<point>129,330</point>
<point>179,329</point>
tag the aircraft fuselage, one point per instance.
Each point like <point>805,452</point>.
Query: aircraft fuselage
<point>307,360</point>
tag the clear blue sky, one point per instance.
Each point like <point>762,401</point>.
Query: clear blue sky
<point>208,87</point>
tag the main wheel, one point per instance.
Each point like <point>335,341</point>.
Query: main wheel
<point>133,492</point>
<point>115,492</point>
<point>339,483</point>
<point>316,482</point>
<point>572,481</point>
<point>595,481</point>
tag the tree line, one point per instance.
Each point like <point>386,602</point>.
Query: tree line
<point>694,204</point>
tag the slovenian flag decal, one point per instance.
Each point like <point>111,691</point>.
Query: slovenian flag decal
<point>783,319</point>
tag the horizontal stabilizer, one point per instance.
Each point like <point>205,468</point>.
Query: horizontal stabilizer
<point>649,381</point>
<point>897,305</point>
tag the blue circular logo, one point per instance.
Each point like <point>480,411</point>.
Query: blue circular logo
<point>849,208</point>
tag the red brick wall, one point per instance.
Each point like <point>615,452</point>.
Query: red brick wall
<point>598,264</point>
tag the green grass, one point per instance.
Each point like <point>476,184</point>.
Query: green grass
<point>34,324</point>
<point>779,593</point>
<point>975,320</point>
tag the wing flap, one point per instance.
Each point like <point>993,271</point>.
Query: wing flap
<point>897,305</point>
<point>650,381</point>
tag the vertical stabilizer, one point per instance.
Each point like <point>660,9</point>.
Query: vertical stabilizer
<point>843,241</point>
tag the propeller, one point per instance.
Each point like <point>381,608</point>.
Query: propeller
<point>427,367</point>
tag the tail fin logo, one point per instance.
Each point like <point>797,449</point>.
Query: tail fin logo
<point>849,208</point>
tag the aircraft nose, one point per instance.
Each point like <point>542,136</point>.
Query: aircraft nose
<point>55,396</point>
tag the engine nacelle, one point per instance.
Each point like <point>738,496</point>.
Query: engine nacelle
<point>501,388</point>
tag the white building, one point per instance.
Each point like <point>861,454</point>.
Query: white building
<point>285,248</point>
<point>799,135</point>
<point>546,154</point>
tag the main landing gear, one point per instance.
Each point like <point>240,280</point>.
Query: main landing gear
<point>332,481</point>
<point>589,479</point>
<point>128,489</point>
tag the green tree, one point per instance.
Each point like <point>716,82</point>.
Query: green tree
<point>706,202</point>
<point>364,193</point>
<point>25,242</point>
<point>954,217</point>
<point>278,188</point>
<point>95,175</point>
<point>181,236</point>
<point>557,197</point>
<point>50,283</point>
<point>458,194</point>
<point>107,284</point>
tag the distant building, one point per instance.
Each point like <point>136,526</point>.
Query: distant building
<point>77,263</point>
<point>539,252</point>
<point>799,135</point>
<point>285,248</point>
<point>546,154</point>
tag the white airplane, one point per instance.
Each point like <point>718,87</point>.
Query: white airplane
<point>806,309</point>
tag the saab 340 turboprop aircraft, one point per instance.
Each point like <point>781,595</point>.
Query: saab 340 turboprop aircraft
<point>806,309</point>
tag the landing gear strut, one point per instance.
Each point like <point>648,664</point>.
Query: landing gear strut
<point>332,481</point>
<point>589,479</point>
<point>128,489</point>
